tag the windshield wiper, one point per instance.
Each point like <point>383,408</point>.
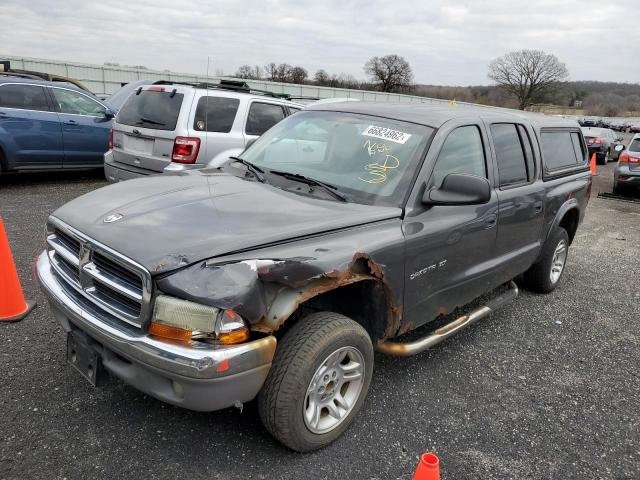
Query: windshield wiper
<point>332,189</point>
<point>257,171</point>
<point>148,120</point>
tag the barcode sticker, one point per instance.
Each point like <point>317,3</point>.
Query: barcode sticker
<point>386,134</point>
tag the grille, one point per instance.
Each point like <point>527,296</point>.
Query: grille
<point>115,284</point>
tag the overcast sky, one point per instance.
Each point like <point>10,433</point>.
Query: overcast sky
<point>449,43</point>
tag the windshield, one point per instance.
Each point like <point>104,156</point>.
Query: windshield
<point>370,159</point>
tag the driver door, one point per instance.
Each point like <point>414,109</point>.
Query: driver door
<point>85,128</point>
<point>449,248</point>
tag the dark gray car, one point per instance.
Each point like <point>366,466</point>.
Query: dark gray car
<point>339,230</point>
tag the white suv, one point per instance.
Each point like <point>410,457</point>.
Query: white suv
<point>176,126</point>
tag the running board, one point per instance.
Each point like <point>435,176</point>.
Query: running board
<point>407,349</point>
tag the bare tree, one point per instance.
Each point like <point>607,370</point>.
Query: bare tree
<point>298,75</point>
<point>321,77</point>
<point>271,71</point>
<point>529,75</point>
<point>392,72</point>
<point>249,72</point>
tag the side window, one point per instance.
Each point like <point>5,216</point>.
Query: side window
<point>528,151</point>
<point>76,103</point>
<point>26,97</point>
<point>215,114</point>
<point>512,168</point>
<point>462,152</point>
<point>263,116</point>
<point>577,146</point>
<point>558,149</point>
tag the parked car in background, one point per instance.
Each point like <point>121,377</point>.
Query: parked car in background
<point>117,98</point>
<point>182,126</point>
<point>602,142</point>
<point>626,177</point>
<point>50,125</point>
<point>340,229</point>
<point>589,122</point>
<point>634,128</point>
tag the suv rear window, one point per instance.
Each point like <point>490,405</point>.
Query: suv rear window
<point>558,149</point>
<point>634,146</point>
<point>215,114</point>
<point>151,109</point>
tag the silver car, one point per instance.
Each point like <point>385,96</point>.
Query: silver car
<point>627,173</point>
<point>175,126</point>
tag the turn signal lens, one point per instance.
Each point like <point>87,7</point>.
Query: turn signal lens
<point>111,139</point>
<point>237,336</point>
<point>231,328</point>
<point>624,158</point>
<point>167,331</point>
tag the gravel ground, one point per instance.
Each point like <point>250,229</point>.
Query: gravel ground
<point>546,388</point>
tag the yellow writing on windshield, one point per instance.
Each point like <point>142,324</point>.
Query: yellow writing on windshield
<point>378,171</point>
<point>376,147</point>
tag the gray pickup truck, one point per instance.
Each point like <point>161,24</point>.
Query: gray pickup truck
<point>338,231</point>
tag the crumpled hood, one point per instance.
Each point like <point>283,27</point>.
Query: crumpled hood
<point>172,220</point>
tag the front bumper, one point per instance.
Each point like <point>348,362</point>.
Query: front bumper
<point>194,376</point>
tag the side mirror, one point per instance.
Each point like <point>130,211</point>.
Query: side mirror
<point>618,148</point>
<point>109,114</point>
<point>459,189</point>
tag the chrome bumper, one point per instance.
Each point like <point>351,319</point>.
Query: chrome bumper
<point>194,376</point>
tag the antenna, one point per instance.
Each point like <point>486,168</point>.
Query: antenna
<point>206,115</point>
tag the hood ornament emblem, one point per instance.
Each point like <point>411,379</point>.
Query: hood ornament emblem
<point>114,217</point>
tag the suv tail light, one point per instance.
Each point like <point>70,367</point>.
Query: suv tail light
<point>110,139</point>
<point>597,140</point>
<point>626,158</point>
<point>185,150</point>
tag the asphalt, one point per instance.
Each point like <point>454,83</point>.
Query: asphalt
<point>546,388</point>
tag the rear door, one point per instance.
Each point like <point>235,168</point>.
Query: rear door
<point>147,125</point>
<point>85,127</point>
<point>29,128</point>
<point>520,198</point>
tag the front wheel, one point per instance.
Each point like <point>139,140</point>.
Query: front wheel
<point>318,381</point>
<point>543,276</point>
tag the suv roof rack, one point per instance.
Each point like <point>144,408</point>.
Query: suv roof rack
<point>20,75</point>
<point>233,85</point>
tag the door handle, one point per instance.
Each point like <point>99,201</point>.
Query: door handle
<point>491,221</point>
<point>4,114</point>
<point>538,207</point>
<point>70,122</point>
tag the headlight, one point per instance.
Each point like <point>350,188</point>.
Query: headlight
<point>184,320</point>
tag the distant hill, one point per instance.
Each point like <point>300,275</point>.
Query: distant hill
<point>594,98</point>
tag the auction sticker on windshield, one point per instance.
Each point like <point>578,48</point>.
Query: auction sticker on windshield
<point>386,134</point>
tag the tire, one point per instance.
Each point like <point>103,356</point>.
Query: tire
<point>302,357</point>
<point>602,160</point>
<point>539,278</point>
<point>619,190</point>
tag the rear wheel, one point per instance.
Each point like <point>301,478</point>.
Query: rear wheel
<point>318,381</point>
<point>543,276</point>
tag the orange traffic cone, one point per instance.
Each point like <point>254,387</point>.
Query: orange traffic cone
<point>13,306</point>
<point>428,468</point>
<point>592,164</point>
